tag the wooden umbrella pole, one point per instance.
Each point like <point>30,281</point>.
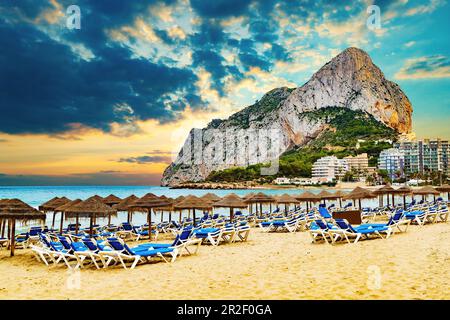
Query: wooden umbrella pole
<point>193,213</point>
<point>13,236</point>
<point>180,216</point>
<point>3,227</point>
<point>61,223</point>
<point>149,221</point>
<point>393,200</point>
<point>404,202</point>
<point>109,219</point>
<point>53,220</point>
<point>76,224</point>
<point>359,202</point>
<point>91,225</point>
<point>9,233</point>
<point>231,214</point>
<point>162,216</point>
<point>170,215</point>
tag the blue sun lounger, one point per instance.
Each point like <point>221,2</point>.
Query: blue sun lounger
<point>346,231</point>
<point>124,253</point>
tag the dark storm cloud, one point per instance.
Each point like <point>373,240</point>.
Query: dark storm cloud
<point>220,8</point>
<point>147,159</point>
<point>45,87</point>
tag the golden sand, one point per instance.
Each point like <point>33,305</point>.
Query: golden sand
<point>414,265</point>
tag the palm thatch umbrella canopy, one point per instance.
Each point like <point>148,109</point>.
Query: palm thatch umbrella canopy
<point>444,188</point>
<point>359,193</point>
<point>194,203</point>
<point>3,203</point>
<point>48,205</point>
<point>286,199</point>
<point>146,204</point>
<point>166,208</point>
<point>404,190</point>
<point>52,204</point>
<point>386,190</point>
<point>425,191</point>
<point>211,197</point>
<point>325,195</point>
<point>15,209</point>
<point>339,195</point>
<point>261,198</point>
<point>231,201</point>
<point>307,197</point>
<point>63,208</point>
<point>91,208</point>
<point>111,200</point>
<point>248,195</point>
<point>125,203</point>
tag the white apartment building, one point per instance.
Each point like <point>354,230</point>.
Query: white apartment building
<point>393,161</point>
<point>329,168</point>
<point>359,162</point>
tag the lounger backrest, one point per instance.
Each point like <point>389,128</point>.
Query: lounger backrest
<point>321,225</point>
<point>90,244</point>
<point>128,249</point>
<point>34,231</point>
<point>324,212</point>
<point>78,246</point>
<point>65,243</point>
<point>344,225</point>
<point>115,244</point>
<point>44,240</point>
<point>126,226</point>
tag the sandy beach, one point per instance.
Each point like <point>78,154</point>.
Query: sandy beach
<point>413,265</point>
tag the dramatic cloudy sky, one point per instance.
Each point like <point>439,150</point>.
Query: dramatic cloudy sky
<point>111,102</point>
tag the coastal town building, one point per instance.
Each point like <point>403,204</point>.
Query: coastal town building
<point>425,155</point>
<point>359,162</point>
<point>282,180</point>
<point>393,161</point>
<point>329,168</point>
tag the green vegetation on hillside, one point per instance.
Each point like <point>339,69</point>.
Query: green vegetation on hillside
<point>349,133</point>
<point>268,103</point>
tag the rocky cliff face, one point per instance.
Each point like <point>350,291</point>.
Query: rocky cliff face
<point>350,80</point>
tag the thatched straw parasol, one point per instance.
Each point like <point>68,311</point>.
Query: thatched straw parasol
<point>444,188</point>
<point>339,195</point>
<point>211,197</point>
<point>404,191</point>
<point>3,203</point>
<point>386,190</point>
<point>166,208</point>
<point>63,209</point>
<point>194,203</point>
<point>48,205</point>
<point>286,199</point>
<point>147,203</point>
<point>307,197</point>
<point>15,209</point>
<point>124,205</point>
<point>359,193</point>
<point>231,201</point>
<point>52,204</point>
<point>261,198</point>
<point>425,191</point>
<point>91,208</point>
<point>111,200</point>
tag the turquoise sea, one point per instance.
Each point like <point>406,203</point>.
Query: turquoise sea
<point>37,195</point>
